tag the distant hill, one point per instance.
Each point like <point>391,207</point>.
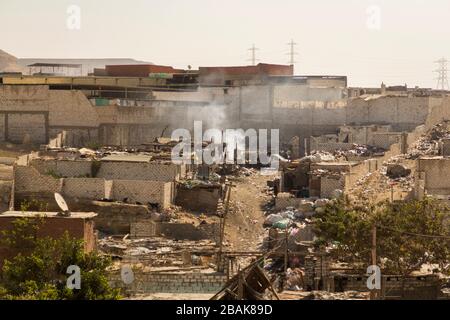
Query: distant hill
<point>9,63</point>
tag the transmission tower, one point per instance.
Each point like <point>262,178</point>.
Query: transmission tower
<point>253,59</point>
<point>442,71</point>
<point>292,52</point>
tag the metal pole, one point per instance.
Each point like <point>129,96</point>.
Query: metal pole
<point>286,253</point>
<point>373,292</point>
<point>222,225</point>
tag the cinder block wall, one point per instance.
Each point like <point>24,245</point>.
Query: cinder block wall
<point>165,282</point>
<point>29,182</point>
<point>143,191</point>
<point>85,188</point>
<point>28,179</point>
<point>138,171</point>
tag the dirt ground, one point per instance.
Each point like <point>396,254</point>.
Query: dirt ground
<point>244,225</point>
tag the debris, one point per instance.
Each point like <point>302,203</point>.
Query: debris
<point>396,171</point>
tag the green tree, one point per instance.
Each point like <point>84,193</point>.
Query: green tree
<point>39,270</point>
<point>409,234</point>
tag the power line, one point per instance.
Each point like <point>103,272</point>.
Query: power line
<point>442,72</point>
<point>292,52</point>
<point>412,234</point>
<point>253,59</point>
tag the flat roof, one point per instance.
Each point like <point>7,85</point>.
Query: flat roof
<point>348,163</point>
<point>34,214</point>
<point>59,65</point>
<point>127,158</point>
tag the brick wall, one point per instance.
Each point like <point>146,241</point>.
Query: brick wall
<point>55,227</point>
<point>435,169</point>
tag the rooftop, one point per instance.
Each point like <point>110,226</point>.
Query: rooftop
<point>127,158</point>
<point>32,214</point>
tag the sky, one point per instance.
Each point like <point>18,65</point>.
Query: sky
<point>370,41</point>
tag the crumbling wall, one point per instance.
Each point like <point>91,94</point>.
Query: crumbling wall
<point>200,199</point>
<point>330,184</point>
<point>146,228</point>
<point>385,140</point>
<point>29,180</point>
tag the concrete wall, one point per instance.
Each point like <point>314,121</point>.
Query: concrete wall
<point>29,182</point>
<point>281,107</point>
<point>295,93</point>
<point>155,192</point>
<point>330,184</point>
<point>63,168</point>
<point>166,172</point>
<point>435,170</point>
<point>85,188</point>
<point>199,199</point>
<point>39,112</point>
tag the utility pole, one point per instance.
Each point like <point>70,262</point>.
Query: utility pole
<point>292,52</point>
<point>373,292</point>
<point>227,196</point>
<point>253,49</point>
<point>286,252</point>
<point>442,72</point>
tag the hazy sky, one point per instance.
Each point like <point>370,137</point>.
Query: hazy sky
<point>343,37</point>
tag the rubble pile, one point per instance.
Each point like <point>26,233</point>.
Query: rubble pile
<point>428,144</point>
<point>396,170</point>
<point>359,150</point>
<point>158,252</point>
<point>325,295</point>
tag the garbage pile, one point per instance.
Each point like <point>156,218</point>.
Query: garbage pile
<point>305,210</point>
<point>365,151</point>
<point>320,156</point>
<point>428,144</point>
